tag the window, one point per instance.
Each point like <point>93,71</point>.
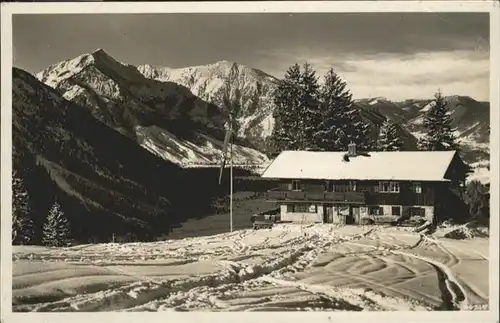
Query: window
<point>296,185</point>
<point>329,187</point>
<point>352,186</point>
<point>417,188</point>
<point>389,187</point>
<point>417,211</point>
<point>374,210</point>
<point>301,208</point>
<point>384,187</point>
<point>396,210</point>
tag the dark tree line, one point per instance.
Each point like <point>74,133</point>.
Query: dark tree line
<point>310,116</point>
<point>313,116</point>
<point>56,228</point>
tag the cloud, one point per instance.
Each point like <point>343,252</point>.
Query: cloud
<point>391,54</point>
<point>420,75</point>
<point>398,76</point>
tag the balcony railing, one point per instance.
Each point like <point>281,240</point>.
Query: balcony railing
<point>341,197</point>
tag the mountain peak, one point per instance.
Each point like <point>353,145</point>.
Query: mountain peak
<point>226,62</point>
<point>98,50</point>
<point>101,56</point>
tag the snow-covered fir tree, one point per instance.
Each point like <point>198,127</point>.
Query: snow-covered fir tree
<point>309,108</point>
<point>361,132</point>
<point>341,122</point>
<point>389,138</point>
<point>22,225</point>
<point>285,133</point>
<point>312,117</point>
<point>56,230</point>
<point>437,123</point>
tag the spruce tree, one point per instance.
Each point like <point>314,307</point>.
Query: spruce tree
<point>359,131</point>
<point>437,123</point>
<point>389,139</point>
<point>285,135</point>
<point>477,196</point>
<point>309,108</point>
<point>56,230</point>
<point>341,122</point>
<point>22,225</point>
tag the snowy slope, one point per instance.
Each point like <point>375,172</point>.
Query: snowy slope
<point>204,150</point>
<point>124,99</point>
<point>291,267</point>
<point>212,82</point>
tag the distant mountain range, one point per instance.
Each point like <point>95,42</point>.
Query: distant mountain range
<point>79,126</point>
<point>147,103</point>
<point>211,82</point>
<point>164,117</point>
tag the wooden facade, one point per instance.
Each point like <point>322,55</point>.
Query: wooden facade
<point>349,201</point>
<point>408,193</point>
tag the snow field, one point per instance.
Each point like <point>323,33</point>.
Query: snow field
<point>289,267</point>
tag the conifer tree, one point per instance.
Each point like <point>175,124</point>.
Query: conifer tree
<point>56,230</point>
<point>287,121</point>
<point>22,225</point>
<point>309,108</point>
<point>341,122</point>
<point>359,131</point>
<point>389,139</point>
<point>437,123</point>
<point>477,196</point>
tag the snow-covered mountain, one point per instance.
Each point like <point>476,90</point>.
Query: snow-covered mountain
<point>247,88</point>
<point>155,104</point>
<point>106,183</point>
<point>471,120</point>
<point>164,117</point>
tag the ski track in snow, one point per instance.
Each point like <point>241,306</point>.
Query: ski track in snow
<point>278,269</point>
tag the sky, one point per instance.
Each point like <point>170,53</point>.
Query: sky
<point>393,55</point>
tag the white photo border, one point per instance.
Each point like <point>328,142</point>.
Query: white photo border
<point>9,9</point>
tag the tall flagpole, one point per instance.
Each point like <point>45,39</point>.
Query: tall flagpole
<point>231,179</point>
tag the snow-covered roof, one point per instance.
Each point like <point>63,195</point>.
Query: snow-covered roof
<point>393,165</point>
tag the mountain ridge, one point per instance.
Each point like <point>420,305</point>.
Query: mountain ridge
<point>121,97</point>
<point>250,91</point>
<point>108,185</point>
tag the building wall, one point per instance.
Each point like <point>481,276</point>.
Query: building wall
<point>371,190</point>
<point>405,211</point>
<point>429,212</point>
<point>302,217</point>
<point>317,217</point>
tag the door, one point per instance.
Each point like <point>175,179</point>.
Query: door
<point>356,215</point>
<point>327,214</point>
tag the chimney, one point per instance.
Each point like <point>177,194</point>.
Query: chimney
<point>351,149</point>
